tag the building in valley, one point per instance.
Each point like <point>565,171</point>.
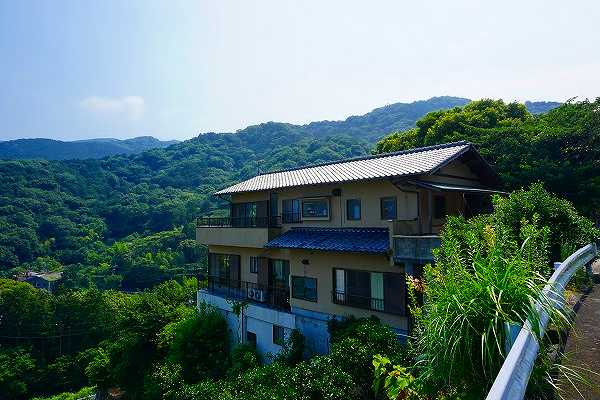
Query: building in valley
<point>305,245</point>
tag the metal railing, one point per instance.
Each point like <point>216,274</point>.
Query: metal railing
<point>276,297</point>
<point>352,300</point>
<point>239,222</point>
<point>511,382</point>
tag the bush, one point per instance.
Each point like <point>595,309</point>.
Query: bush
<point>201,345</point>
<point>243,358</point>
<point>568,229</point>
<point>472,293</point>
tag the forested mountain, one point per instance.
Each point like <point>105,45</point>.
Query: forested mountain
<point>49,149</point>
<point>80,213</point>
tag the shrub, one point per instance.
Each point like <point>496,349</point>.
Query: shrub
<point>293,349</point>
<point>568,229</point>
<point>243,358</point>
<point>201,345</point>
<point>472,293</point>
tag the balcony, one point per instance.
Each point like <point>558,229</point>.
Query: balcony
<point>271,297</point>
<point>367,303</point>
<point>241,232</point>
<point>414,248</point>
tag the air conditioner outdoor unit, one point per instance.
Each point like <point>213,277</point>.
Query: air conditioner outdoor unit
<point>256,294</point>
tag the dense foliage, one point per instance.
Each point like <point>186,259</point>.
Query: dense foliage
<point>51,343</point>
<point>560,148</point>
<point>69,214</point>
<point>489,273</point>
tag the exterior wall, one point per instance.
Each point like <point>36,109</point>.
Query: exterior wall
<point>255,318</point>
<point>243,237</point>
<point>321,265</point>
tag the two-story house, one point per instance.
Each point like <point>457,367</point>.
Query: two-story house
<point>305,245</point>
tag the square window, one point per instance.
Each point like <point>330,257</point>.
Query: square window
<point>253,265</point>
<point>388,208</point>
<point>278,335</point>
<point>304,288</point>
<point>353,209</point>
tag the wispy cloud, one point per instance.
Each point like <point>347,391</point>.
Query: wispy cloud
<point>130,106</point>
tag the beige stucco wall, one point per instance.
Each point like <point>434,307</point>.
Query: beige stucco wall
<point>320,266</point>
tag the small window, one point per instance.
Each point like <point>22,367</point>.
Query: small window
<point>388,208</point>
<point>278,335</point>
<point>353,209</point>
<point>251,338</point>
<point>439,207</point>
<point>253,265</point>
<point>304,288</point>
<point>315,208</point>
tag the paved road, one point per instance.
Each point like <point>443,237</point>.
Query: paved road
<point>583,348</point>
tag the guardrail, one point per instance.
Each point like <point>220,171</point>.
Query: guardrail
<point>511,382</point>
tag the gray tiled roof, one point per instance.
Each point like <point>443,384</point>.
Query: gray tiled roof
<point>404,163</point>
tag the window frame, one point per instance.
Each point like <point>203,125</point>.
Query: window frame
<point>304,297</point>
<point>276,329</point>
<point>316,217</point>
<point>254,261</point>
<point>348,208</point>
<point>382,208</point>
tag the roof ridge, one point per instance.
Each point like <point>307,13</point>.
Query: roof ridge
<point>341,228</point>
<point>374,156</point>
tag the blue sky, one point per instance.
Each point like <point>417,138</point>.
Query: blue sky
<point>174,69</point>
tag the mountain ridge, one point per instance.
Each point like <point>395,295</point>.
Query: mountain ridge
<point>51,149</point>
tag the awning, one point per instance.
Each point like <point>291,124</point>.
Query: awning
<point>354,240</point>
<point>448,187</point>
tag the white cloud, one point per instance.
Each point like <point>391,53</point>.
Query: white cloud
<point>130,106</point>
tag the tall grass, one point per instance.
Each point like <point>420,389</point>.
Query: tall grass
<point>483,281</point>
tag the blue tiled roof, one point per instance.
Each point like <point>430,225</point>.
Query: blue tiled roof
<point>356,240</point>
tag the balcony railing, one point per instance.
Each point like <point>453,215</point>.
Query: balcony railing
<point>368,303</point>
<point>275,297</point>
<point>239,222</point>
<point>291,217</point>
<point>415,248</point>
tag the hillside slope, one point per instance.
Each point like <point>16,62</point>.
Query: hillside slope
<point>50,149</point>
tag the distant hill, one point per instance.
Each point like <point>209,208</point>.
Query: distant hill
<point>50,149</point>
<point>540,107</point>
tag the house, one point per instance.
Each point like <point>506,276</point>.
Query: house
<point>43,280</point>
<point>305,245</point>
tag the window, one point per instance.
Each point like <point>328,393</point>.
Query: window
<point>315,208</point>
<point>439,207</point>
<point>254,265</point>
<point>353,209</point>
<point>304,288</point>
<point>377,291</point>
<point>278,335</point>
<point>388,208</point>
<point>291,211</point>
<point>251,338</point>
<point>280,272</point>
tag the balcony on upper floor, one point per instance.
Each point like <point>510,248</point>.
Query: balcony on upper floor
<point>413,241</point>
<point>237,231</point>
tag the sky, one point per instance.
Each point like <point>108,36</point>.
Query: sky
<point>174,69</point>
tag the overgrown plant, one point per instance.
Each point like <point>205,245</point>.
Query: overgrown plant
<point>484,280</point>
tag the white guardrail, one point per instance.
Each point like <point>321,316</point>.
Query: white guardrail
<point>511,382</point>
